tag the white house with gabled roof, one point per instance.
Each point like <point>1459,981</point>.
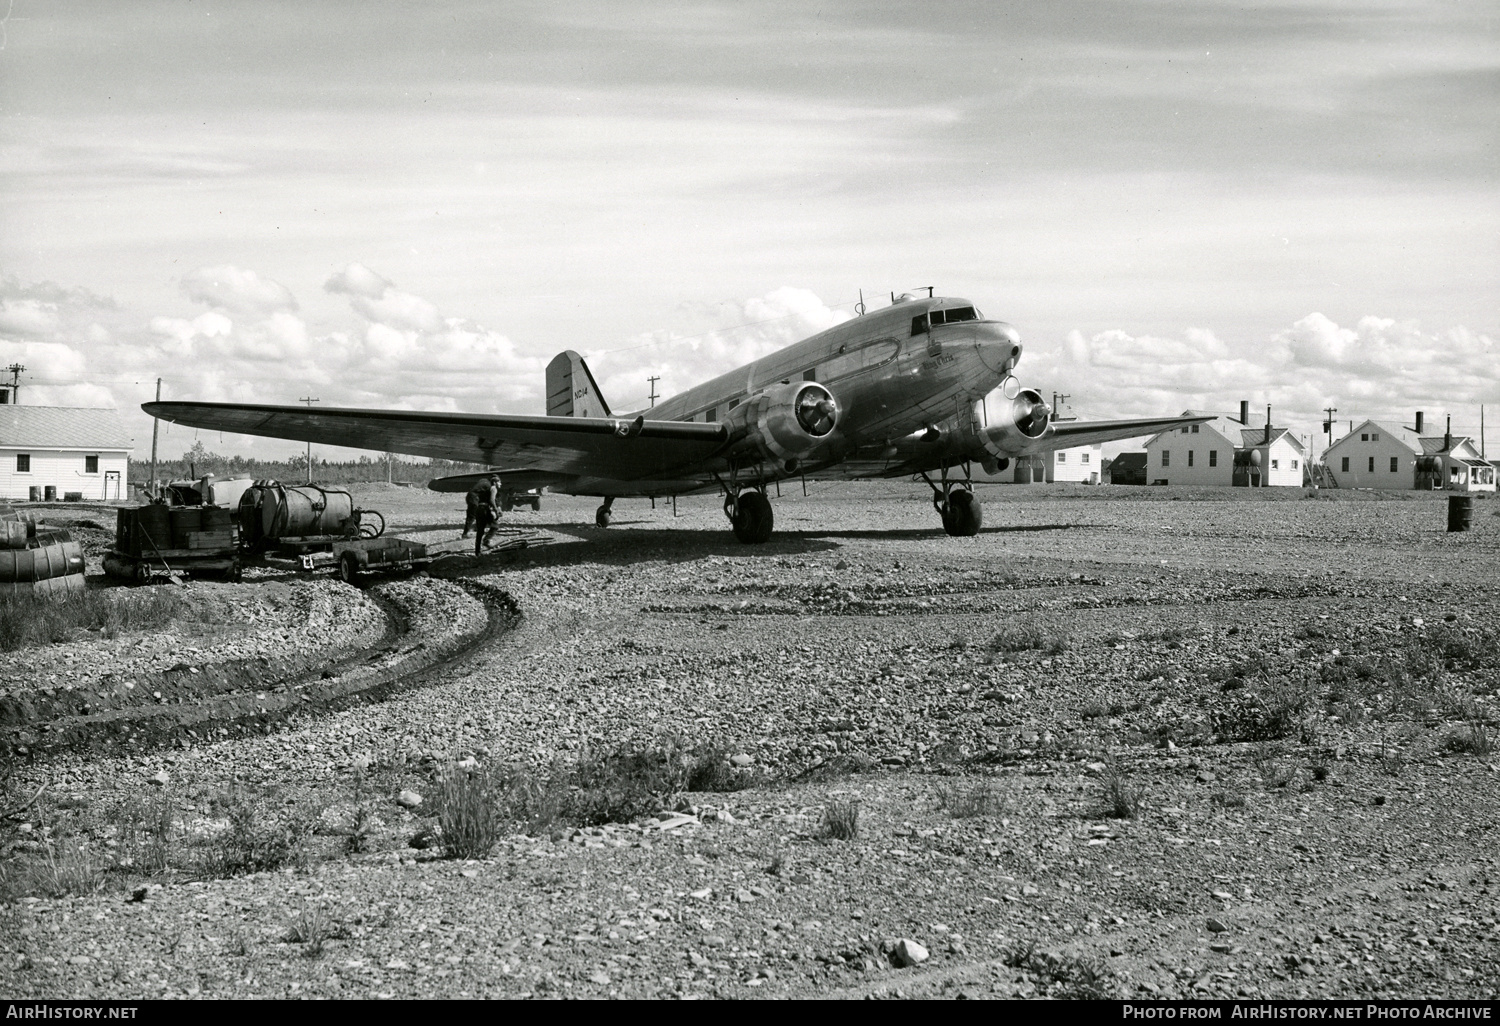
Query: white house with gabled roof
<point>1196,454</point>
<point>1271,457</point>
<point>69,450</point>
<point>1457,465</point>
<point>1374,455</point>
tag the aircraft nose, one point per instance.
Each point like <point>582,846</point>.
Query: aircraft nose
<point>999,346</point>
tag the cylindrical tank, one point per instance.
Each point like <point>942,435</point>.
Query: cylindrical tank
<point>50,493</point>
<point>1460,512</point>
<point>12,534</point>
<point>41,563</point>
<point>270,512</point>
<point>35,493</point>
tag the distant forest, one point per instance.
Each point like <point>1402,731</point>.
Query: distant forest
<point>198,461</point>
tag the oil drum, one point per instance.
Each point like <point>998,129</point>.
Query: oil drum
<point>1460,512</point>
<point>12,534</point>
<point>50,491</point>
<point>216,518</point>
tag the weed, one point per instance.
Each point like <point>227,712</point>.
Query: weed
<point>1121,798</point>
<point>981,798</point>
<point>1228,799</point>
<point>57,872</point>
<point>239,942</point>
<point>1026,636</point>
<point>841,819</point>
<point>250,845</point>
<point>839,766</point>
<point>1472,739</point>
<point>1392,762</point>
<point>468,812</point>
<point>778,864</point>
<point>312,929</point>
<point>1274,771</point>
<point>1262,718</point>
<point>1155,671</point>
<point>362,832</point>
<point>34,621</point>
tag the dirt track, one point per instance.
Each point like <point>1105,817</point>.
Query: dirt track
<point>986,687</point>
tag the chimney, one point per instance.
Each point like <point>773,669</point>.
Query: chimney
<point>1268,425</point>
<point>1245,412</point>
<point>1448,434</point>
<point>1419,422</point>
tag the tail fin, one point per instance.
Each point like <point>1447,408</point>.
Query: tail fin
<point>571,389</point>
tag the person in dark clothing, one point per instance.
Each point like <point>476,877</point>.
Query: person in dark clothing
<point>486,507</point>
<point>477,496</point>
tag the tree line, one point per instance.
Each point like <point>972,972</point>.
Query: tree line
<point>198,461</point>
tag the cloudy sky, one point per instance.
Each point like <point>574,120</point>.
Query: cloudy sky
<point>404,204</point>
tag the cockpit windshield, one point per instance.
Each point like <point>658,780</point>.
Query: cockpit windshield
<point>920,324</point>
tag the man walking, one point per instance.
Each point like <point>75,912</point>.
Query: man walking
<point>484,503</point>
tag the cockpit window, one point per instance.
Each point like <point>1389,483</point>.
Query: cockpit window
<point>953,316</point>
<point>920,325</point>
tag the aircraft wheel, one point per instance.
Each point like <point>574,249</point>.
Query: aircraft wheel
<point>601,516</point>
<point>753,518</point>
<point>965,514</point>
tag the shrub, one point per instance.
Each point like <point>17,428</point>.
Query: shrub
<point>1262,718</point>
<point>34,621</point>
<point>468,812</point>
<point>1472,739</point>
<point>841,820</point>
<point>1121,798</point>
<point>982,798</point>
<point>1025,636</point>
<point>1062,976</point>
<point>312,929</point>
<point>250,845</point>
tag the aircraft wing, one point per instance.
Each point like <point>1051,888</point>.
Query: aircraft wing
<point>614,447</point>
<point>1069,433</point>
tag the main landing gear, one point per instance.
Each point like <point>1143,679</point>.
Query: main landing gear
<point>750,515</point>
<point>601,515</point>
<point>956,504</point>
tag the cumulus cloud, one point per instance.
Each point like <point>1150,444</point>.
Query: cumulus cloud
<point>1379,368</point>
<point>240,291</point>
<point>380,302</point>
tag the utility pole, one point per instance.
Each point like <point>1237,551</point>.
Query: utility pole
<point>155,427</point>
<point>653,379</point>
<point>1057,400</point>
<point>1328,422</point>
<point>15,382</point>
<point>309,400</point>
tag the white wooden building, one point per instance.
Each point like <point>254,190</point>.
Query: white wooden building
<point>1198,454</point>
<point>1456,464</point>
<point>1273,456</point>
<point>1374,455</point>
<point>65,449</point>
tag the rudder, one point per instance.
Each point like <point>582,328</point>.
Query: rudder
<point>571,389</point>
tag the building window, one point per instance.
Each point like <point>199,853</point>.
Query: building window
<point>1372,464</point>
<point>1190,457</point>
<point>1184,430</point>
<point>91,464</point>
<point>1062,457</point>
<point>1374,436</point>
<point>1213,457</point>
<point>23,463</point>
<point>1275,464</point>
<point>1195,429</point>
<point>711,415</point>
<point>1083,458</point>
<point>1166,457</point>
<point>1364,437</point>
<point>1345,465</point>
<point>1395,464</point>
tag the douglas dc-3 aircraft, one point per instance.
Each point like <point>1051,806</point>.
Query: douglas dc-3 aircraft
<point>921,387</point>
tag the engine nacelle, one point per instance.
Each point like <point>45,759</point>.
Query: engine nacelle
<point>1003,425</point>
<point>784,422</point>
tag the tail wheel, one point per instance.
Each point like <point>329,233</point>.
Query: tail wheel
<point>601,516</point>
<point>753,519</point>
<point>964,515</point>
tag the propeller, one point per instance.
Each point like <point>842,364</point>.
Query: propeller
<point>1032,415</point>
<point>816,411</point>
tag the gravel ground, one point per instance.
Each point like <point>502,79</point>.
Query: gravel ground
<point>981,700</point>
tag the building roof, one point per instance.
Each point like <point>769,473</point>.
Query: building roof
<point>1254,438</point>
<point>1433,445</point>
<point>1129,459</point>
<point>1222,424</point>
<point>61,427</point>
<point>1401,435</point>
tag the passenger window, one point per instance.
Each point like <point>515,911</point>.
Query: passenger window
<point>870,355</point>
<point>711,415</point>
<point>919,325</point>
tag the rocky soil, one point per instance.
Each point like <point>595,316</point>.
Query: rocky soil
<point>1145,742</point>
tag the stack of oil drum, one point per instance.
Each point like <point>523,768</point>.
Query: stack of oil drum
<point>36,559</point>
